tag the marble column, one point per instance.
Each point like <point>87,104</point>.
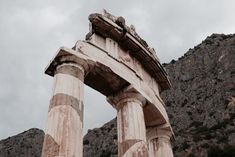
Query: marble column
<point>130,124</point>
<point>64,135</point>
<point>159,142</point>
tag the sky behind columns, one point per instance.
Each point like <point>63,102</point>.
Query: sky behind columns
<point>31,31</point>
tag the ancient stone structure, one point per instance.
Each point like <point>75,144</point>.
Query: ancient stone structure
<point>115,61</point>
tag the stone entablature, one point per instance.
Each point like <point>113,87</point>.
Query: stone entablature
<point>109,26</point>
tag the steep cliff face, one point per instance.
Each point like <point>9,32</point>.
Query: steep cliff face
<point>200,105</point>
<point>26,144</point>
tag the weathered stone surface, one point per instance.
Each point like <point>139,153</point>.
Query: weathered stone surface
<point>130,124</point>
<point>108,26</point>
<point>118,71</point>
<point>52,148</point>
<point>65,116</point>
<point>159,142</point>
<point>63,99</point>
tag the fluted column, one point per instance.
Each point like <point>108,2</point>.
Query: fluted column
<point>159,143</point>
<point>64,135</point>
<point>131,125</point>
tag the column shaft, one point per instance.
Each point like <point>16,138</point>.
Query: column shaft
<point>63,136</point>
<point>131,128</point>
<point>159,143</point>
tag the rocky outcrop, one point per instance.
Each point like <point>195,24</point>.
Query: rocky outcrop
<point>26,144</point>
<point>200,105</point>
<point>101,142</point>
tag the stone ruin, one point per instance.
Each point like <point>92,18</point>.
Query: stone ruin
<point>115,61</point>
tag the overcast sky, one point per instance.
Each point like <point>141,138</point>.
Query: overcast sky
<point>31,31</point>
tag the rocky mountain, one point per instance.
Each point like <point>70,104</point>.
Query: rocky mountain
<point>26,144</point>
<point>101,142</point>
<point>200,105</point>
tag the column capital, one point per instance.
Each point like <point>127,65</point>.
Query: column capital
<point>66,56</point>
<point>126,95</point>
<point>159,132</point>
<point>72,69</point>
<point>159,141</point>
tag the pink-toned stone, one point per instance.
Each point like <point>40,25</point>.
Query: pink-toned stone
<point>159,142</point>
<point>64,99</point>
<point>50,147</point>
<point>131,125</point>
<point>65,115</point>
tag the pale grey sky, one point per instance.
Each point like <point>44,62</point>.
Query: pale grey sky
<point>32,30</point>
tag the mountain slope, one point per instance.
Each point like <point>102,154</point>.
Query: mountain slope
<point>101,142</point>
<point>26,144</point>
<point>201,102</point>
